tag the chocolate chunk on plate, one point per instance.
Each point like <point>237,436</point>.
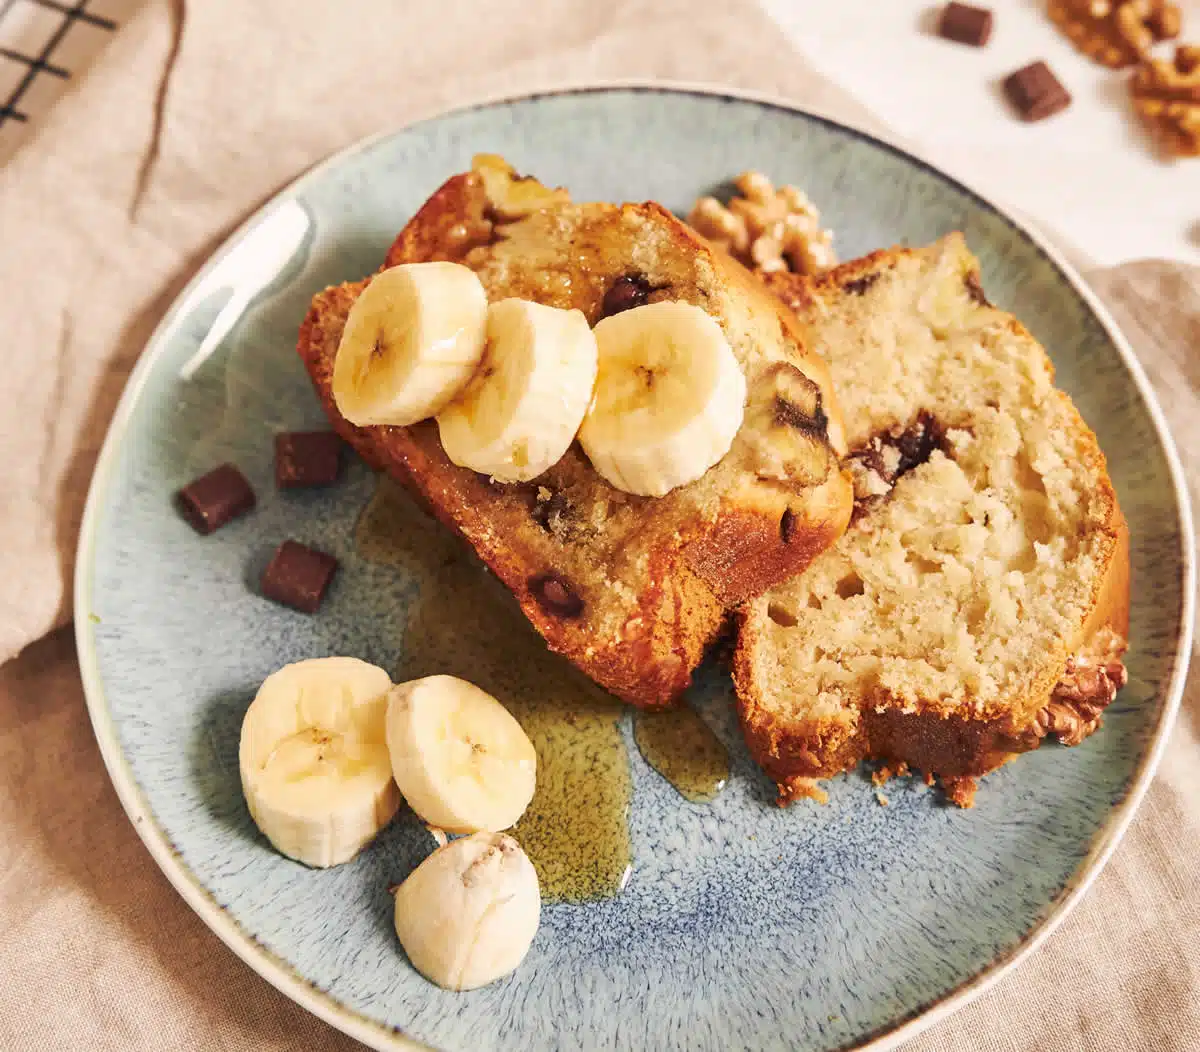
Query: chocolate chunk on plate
<point>307,458</point>
<point>212,500</point>
<point>966,24</point>
<point>298,576</point>
<point>1036,92</point>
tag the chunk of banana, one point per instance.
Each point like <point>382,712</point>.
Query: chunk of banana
<point>411,342</point>
<point>314,760</point>
<point>670,397</point>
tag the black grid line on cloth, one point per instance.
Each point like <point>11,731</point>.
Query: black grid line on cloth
<point>77,13</point>
<point>41,64</point>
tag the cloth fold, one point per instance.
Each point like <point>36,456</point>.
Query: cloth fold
<point>194,116</point>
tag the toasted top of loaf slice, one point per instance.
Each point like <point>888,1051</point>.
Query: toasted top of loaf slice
<point>987,565</point>
<point>631,589</point>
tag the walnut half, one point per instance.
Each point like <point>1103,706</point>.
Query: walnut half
<point>768,229</point>
<point>1167,95</point>
<point>1116,33</point>
<point>1088,686</point>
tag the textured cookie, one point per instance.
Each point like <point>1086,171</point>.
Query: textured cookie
<point>979,601</point>
<point>631,589</point>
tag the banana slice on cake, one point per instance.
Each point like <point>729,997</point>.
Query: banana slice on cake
<point>467,915</point>
<point>523,407</point>
<point>314,760</point>
<point>412,341</point>
<point>462,761</point>
<point>670,396</point>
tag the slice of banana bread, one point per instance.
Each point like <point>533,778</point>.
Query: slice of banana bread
<point>979,600</point>
<point>631,589</point>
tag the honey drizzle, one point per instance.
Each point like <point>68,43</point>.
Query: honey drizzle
<point>679,745</point>
<point>465,623</point>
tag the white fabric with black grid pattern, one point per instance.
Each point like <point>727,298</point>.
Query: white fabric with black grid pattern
<point>43,44</point>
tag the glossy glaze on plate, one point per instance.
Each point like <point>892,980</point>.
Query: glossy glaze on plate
<point>741,925</point>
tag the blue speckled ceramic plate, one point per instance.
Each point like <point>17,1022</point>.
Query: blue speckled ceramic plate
<point>743,926</point>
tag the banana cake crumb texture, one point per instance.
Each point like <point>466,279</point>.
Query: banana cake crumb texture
<point>979,601</point>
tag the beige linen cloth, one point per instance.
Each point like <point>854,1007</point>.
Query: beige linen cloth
<point>192,118</point>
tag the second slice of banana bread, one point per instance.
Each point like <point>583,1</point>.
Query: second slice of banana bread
<point>979,602</point>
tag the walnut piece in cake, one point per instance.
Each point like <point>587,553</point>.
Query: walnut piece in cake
<point>1088,686</point>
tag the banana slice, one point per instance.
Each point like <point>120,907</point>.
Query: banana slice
<point>526,401</point>
<point>459,757</point>
<point>467,915</point>
<point>314,759</point>
<point>669,398</point>
<point>411,342</point>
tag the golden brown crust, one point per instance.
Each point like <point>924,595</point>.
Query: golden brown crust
<point>795,290</point>
<point>955,748</point>
<point>948,746</point>
<point>692,574</point>
<point>459,201</point>
<point>744,552</point>
<point>1111,608</point>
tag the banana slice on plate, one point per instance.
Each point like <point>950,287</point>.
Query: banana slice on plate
<point>670,396</point>
<point>314,761</point>
<point>467,915</point>
<point>460,758</point>
<point>411,342</point>
<point>528,397</point>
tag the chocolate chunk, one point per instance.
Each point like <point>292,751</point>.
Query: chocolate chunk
<point>878,465</point>
<point>863,506</point>
<point>860,285</point>
<point>917,442</point>
<point>215,499</point>
<point>872,459</point>
<point>787,526</point>
<point>307,458</point>
<point>626,293</point>
<point>966,24</point>
<point>1036,92</point>
<point>298,576</point>
<point>975,289</point>
<point>555,596</point>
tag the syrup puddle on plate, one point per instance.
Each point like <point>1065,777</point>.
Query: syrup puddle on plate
<point>465,623</point>
<point>679,745</point>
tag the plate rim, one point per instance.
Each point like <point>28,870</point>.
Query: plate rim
<point>388,1039</point>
